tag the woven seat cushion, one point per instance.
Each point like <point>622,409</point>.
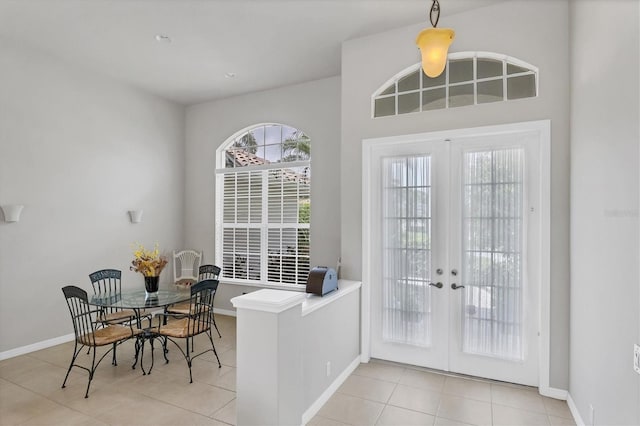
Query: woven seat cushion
<point>180,308</point>
<point>108,335</point>
<point>184,308</point>
<point>180,328</point>
<point>118,316</point>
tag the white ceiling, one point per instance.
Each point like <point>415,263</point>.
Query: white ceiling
<point>266,43</point>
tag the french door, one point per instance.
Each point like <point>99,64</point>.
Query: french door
<point>454,259</point>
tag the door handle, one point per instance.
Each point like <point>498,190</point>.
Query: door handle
<point>455,286</point>
<point>439,285</point>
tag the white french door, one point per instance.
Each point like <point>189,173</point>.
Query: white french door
<point>453,256</point>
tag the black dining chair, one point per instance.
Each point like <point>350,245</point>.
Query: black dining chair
<point>109,282</point>
<point>195,322</point>
<point>92,332</point>
<point>205,272</point>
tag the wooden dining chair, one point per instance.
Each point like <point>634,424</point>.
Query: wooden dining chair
<point>187,326</point>
<point>92,332</point>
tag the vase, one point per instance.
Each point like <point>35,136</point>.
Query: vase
<point>151,285</point>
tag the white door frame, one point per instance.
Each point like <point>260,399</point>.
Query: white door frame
<point>543,128</point>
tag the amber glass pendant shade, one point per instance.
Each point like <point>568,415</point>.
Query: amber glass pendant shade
<point>434,44</point>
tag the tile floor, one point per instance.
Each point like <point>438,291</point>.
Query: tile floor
<point>377,393</point>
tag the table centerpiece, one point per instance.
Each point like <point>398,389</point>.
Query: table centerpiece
<point>150,264</point>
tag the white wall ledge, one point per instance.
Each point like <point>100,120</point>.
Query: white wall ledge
<point>268,300</point>
<point>313,302</point>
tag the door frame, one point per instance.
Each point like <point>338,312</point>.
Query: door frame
<point>543,129</point>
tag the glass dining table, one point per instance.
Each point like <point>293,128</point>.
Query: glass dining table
<point>140,302</point>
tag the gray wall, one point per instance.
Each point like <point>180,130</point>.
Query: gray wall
<point>605,281</point>
<point>535,32</point>
<point>312,107</point>
<point>78,150</point>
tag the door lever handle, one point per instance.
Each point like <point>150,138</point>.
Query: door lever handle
<point>455,286</point>
<point>439,285</point>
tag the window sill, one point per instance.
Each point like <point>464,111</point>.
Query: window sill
<point>288,287</point>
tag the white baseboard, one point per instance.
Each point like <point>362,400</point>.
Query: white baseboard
<point>36,346</point>
<point>574,411</point>
<point>224,312</point>
<point>554,393</point>
<point>317,405</point>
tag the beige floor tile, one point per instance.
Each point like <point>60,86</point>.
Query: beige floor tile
<point>16,367</point>
<point>467,388</point>
<point>63,416</point>
<point>441,421</point>
<point>197,397</point>
<point>143,410</point>
<point>227,414</point>
<point>517,397</point>
<point>227,381</point>
<point>509,416</point>
<point>351,410</point>
<point>367,388</point>
<point>422,379</point>
<point>416,399</point>
<point>394,416</point>
<point>561,421</point>
<point>380,371</point>
<point>18,405</point>
<point>228,357</point>
<point>323,421</point>
<point>465,410</point>
<point>557,408</point>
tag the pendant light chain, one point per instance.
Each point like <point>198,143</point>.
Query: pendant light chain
<point>434,13</point>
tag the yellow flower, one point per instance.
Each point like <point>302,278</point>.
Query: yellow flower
<point>148,262</point>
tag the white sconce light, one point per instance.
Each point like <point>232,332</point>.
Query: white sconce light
<point>135,216</point>
<point>12,212</point>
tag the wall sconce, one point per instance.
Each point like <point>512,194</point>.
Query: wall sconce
<point>135,216</point>
<point>12,212</point>
<point>434,44</point>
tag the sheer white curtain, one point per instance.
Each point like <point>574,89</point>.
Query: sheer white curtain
<point>493,251</point>
<point>406,244</point>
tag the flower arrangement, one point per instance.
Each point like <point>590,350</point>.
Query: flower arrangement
<point>148,262</point>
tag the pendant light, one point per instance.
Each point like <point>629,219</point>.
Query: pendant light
<point>434,44</point>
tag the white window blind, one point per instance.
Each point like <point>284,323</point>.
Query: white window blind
<point>266,209</point>
<point>406,269</point>
<point>493,185</point>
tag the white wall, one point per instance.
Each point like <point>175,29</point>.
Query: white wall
<point>78,151</point>
<point>605,185</point>
<point>535,32</point>
<point>312,107</point>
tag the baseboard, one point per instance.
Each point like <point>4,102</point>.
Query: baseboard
<point>224,312</point>
<point>574,411</point>
<point>317,405</point>
<point>554,393</point>
<point>36,346</point>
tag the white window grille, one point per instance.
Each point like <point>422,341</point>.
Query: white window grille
<point>263,206</point>
<point>470,78</point>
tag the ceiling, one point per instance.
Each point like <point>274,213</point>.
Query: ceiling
<point>265,43</point>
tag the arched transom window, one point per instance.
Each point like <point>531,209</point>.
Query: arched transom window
<point>263,206</point>
<point>470,78</point>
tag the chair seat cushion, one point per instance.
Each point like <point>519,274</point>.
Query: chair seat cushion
<point>184,308</point>
<point>108,335</point>
<point>181,328</point>
<point>118,316</point>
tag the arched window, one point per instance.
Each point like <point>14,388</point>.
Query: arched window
<point>263,180</point>
<point>470,78</point>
